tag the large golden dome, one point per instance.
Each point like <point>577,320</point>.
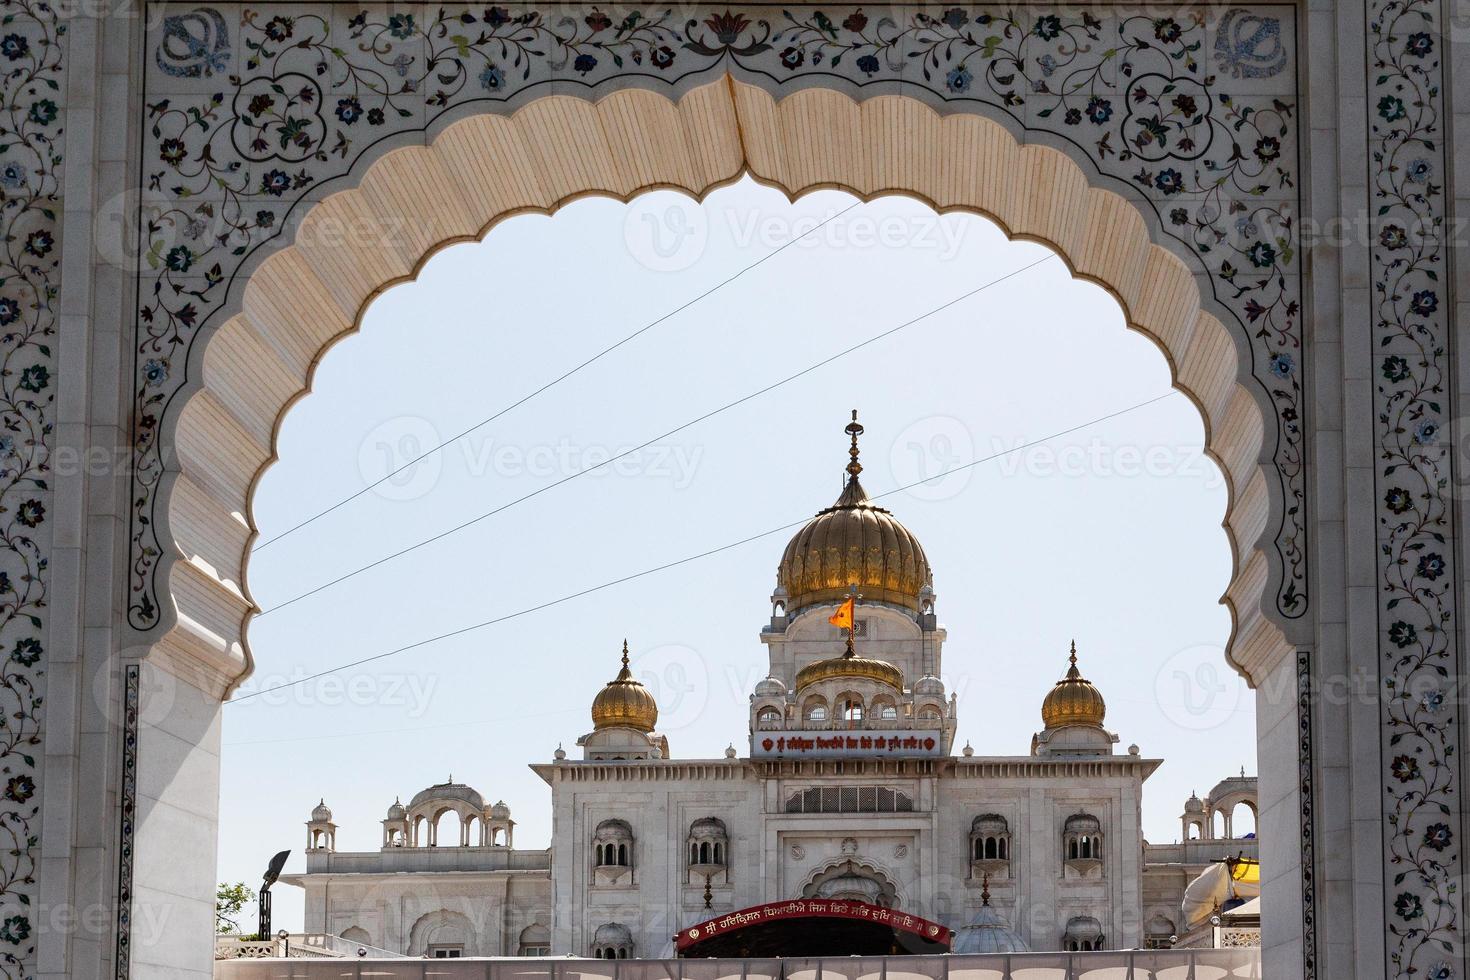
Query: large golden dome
<point>624,701</point>
<point>1073,701</point>
<point>853,542</point>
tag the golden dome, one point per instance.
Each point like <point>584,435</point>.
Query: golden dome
<point>853,542</point>
<point>849,665</point>
<point>624,701</point>
<point>1073,701</point>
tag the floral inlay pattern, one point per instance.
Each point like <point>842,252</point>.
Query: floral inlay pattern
<point>249,108</point>
<point>31,96</point>
<point>1410,330</point>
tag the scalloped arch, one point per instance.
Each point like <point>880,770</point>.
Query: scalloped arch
<point>412,201</point>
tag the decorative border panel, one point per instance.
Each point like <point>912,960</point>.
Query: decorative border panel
<point>1307,809</point>
<point>32,86</point>
<point>1410,331</point>
<point>128,823</point>
<point>251,111</point>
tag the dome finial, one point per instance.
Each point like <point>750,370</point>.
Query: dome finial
<point>625,651</point>
<point>854,429</point>
<point>1072,672</point>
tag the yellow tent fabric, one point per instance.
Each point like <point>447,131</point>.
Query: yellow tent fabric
<point>1246,870</point>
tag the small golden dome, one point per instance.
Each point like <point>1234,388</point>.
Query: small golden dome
<point>1073,701</point>
<point>850,666</point>
<point>853,542</point>
<point>624,701</point>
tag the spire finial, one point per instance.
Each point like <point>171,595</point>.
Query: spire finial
<point>985,889</point>
<point>1072,672</point>
<point>625,651</point>
<point>854,429</point>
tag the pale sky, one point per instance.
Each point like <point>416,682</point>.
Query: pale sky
<point>1110,534</point>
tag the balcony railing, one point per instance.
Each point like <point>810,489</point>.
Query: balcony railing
<point>1142,964</point>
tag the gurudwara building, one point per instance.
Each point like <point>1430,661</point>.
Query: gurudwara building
<point>851,806</point>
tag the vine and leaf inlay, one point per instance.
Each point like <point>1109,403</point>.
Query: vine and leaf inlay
<point>31,100</point>
<point>1415,487</point>
<point>251,108</point>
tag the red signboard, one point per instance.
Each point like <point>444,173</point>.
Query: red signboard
<point>838,743</point>
<point>816,908</point>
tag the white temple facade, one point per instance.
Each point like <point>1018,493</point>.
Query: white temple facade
<point>850,790</point>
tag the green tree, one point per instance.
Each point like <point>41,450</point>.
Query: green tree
<point>228,901</point>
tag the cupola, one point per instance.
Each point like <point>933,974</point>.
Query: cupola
<point>1074,700</point>
<point>624,702</point>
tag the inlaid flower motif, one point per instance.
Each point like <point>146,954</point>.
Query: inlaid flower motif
<point>1179,216</point>
<point>279,28</point>
<point>1282,364</point>
<point>1394,368</point>
<point>375,116</point>
<point>1167,29</point>
<point>1391,108</point>
<point>27,651</point>
<point>35,378</point>
<point>16,928</point>
<point>1404,768</point>
<point>1099,110</point>
<point>1262,255</point>
<point>1431,701</point>
<point>155,372</point>
<point>179,259</point>
<point>728,27</point>
<point>1431,566</point>
<point>39,242</point>
<point>868,64</point>
<point>1073,116</point>
<point>855,22</point>
<point>349,110</point>
<point>1424,302</point>
<point>1397,500</point>
<point>1425,431</point>
<point>959,79</point>
<point>1419,44</point>
<point>31,512</point>
<point>1402,634</point>
<point>597,21</point>
<point>1048,27</point>
<point>172,151</point>
<point>1408,906</point>
<point>1393,237</point>
<point>1440,971</point>
<point>499,16</point>
<point>265,219</point>
<point>1268,148</point>
<point>19,788</point>
<point>1185,104</point>
<point>12,174</point>
<point>1418,171</point>
<point>1169,181</point>
<point>793,57</point>
<point>584,63</point>
<point>260,104</point>
<point>663,56</point>
<point>275,182</point>
<point>955,18</point>
<point>43,112</point>
<point>14,46</point>
<point>1048,65</point>
<point>9,311</point>
<point>401,26</point>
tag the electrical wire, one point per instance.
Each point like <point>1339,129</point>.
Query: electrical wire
<point>687,559</point>
<point>658,438</point>
<point>261,546</point>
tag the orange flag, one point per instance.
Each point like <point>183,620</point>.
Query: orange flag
<point>843,616</point>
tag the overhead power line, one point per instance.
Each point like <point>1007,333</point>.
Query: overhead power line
<point>658,438</point>
<point>261,546</point>
<point>687,559</point>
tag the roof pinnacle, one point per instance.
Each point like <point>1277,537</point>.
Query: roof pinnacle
<point>854,429</point>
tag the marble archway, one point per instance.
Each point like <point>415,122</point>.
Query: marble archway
<point>220,125</point>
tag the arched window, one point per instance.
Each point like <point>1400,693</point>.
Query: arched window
<point>612,848</point>
<point>852,711</point>
<point>1082,841</point>
<point>707,848</point>
<point>990,837</point>
<point>612,941</point>
<point>768,718</point>
<point>815,711</point>
<point>1083,934</point>
<point>535,941</point>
